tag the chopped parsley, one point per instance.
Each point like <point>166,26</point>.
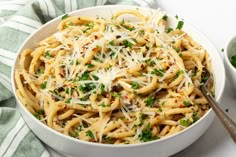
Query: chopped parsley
<point>158,72</point>
<point>102,87</point>
<point>176,49</point>
<point>146,134</point>
<point>128,27</point>
<point>71,23</point>
<point>233,60</point>
<point>204,79</point>
<point>64,16</point>
<point>84,76</point>
<point>74,134</point>
<point>180,54</point>
<point>67,90</point>
<point>83,99</point>
<point>127,43</point>
<point>185,122</point>
<point>165,17</point>
<point>180,25</point>
<point>104,105</point>
<point>222,50</point>
<point>87,87</point>
<point>95,77</point>
<point>116,95</point>
<point>195,117</point>
<point>89,26</point>
<point>108,140</point>
<point>68,100</point>
<point>90,65</point>
<point>186,103</point>
<point>43,85</point>
<point>160,109</point>
<point>134,85</point>
<point>150,101</point>
<point>47,54</point>
<point>195,72</point>
<point>178,74</point>
<point>112,42</point>
<point>169,30</point>
<point>152,63</point>
<point>141,32</point>
<point>90,134</point>
<point>38,114</point>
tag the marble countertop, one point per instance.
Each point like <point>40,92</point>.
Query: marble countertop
<point>216,19</point>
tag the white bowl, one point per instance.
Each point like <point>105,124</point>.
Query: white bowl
<point>229,52</point>
<point>163,147</point>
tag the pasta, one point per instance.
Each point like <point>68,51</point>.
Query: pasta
<point>115,81</point>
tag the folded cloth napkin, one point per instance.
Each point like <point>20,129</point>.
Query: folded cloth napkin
<point>18,19</point>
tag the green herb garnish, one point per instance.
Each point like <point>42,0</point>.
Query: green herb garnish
<point>90,65</point>
<point>116,95</point>
<point>165,17</point>
<point>71,23</point>
<point>102,87</point>
<point>84,76</point>
<point>180,25</point>
<point>195,117</point>
<point>47,54</point>
<point>112,42</point>
<point>150,101</point>
<point>89,26</point>
<point>83,99</point>
<point>95,77</point>
<point>204,79</point>
<point>104,105</point>
<point>90,134</point>
<point>43,85</point>
<point>68,100</point>
<point>158,72</point>
<point>39,113</point>
<point>127,43</point>
<point>169,30</point>
<point>108,140</point>
<point>134,85</point>
<point>178,74</point>
<point>185,122</point>
<point>176,49</point>
<point>152,63</point>
<point>186,103</point>
<point>146,134</point>
<point>67,90</point>
<point>195,72</point>
<point>64,16</point>
<point>74,134</point>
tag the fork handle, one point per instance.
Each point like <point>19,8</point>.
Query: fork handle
<point>225,119</point>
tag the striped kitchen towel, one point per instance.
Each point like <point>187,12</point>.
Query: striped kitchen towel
<point>18,19</point>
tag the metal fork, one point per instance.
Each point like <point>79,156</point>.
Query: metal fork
<point>224,118</point>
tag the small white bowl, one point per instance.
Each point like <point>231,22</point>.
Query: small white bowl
<point>229,52</point>
<point>161,148</point>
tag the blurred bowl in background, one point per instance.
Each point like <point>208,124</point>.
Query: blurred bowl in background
<point>230,51</point>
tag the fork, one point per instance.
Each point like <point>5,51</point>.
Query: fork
<point>228,123</point>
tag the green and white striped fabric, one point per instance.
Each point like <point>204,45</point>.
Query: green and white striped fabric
<point>18,19</point>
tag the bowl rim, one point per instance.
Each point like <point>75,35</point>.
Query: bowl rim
<point>227,53</point>
<point>221,88</point>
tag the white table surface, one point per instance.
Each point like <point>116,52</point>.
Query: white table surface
<point>217,20</point>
